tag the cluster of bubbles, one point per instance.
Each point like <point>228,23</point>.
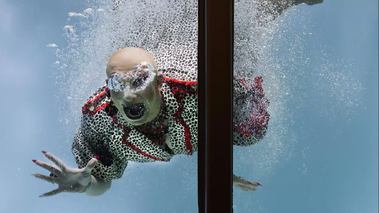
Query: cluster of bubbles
<point>255,33</point>
<point>133,81</point>
<point>167,29</point>
<point>264,46</point>
<point>297,73</point>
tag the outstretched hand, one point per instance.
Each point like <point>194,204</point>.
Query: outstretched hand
<point>244,184</point>
<point>68,179</point>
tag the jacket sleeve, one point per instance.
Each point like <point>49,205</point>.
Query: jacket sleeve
<point>89,143</point>
<point>190,116</point>
<point>181,101</point>
<point>250,115</point>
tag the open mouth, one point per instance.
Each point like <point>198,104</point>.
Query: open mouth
<point>135,111</point>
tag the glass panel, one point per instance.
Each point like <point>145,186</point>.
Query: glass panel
<point>300,114</point>
<point>146,112</point>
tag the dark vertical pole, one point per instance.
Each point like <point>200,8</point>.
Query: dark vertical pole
<point>215,80</point>
<point>219,75</point>
<point>201,193</point>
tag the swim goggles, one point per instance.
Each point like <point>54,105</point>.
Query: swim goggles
<point>134,80</point>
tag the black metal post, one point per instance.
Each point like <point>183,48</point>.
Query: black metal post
<point>215,105</point>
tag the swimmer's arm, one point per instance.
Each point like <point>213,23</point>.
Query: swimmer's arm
<point>98,187</point>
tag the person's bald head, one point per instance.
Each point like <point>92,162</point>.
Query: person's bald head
<point>141,102</point>
<point>127,58</point>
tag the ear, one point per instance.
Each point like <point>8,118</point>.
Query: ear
<point>159,80</point>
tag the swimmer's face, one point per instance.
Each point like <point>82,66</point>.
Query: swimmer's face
<point>139,101</point>
<point>134,89</point>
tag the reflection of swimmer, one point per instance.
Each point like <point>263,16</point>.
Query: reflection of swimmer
<point>139,115</point>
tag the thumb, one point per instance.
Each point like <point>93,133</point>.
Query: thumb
<point>91,164</point>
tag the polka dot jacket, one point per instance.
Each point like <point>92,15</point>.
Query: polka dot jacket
<point>103,131</point>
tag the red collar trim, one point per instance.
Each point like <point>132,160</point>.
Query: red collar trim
<point>186,83</point>
<point>89,107</point>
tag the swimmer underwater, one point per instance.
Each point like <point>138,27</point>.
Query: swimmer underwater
<point>142,116</point>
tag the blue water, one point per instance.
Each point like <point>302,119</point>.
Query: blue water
<point>320,68</point>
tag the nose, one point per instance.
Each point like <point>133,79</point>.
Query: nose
<point>130,96</point>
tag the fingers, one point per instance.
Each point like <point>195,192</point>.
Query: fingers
<point>254,183</point>
<point>250,188</point>
<point>55,160</point>
<point>246,187</point>
<point>46,178</point>
<point>91,164</point>
<point>48,167</point>
<point>241,181</point>
<point>244,184</point>
<point>51,193</point>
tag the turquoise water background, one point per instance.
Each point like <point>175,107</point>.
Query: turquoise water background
<point>330,166</point>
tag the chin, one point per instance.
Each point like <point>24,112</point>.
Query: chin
<point>136,122</point>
